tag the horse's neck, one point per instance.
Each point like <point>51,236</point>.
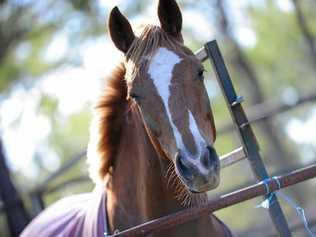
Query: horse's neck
<point>137,190</point>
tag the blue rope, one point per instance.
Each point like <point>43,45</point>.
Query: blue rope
<point>267,203</point>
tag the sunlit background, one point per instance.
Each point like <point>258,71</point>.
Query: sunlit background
<point>55,54</point>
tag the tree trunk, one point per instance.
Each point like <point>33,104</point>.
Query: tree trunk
<point>306,32</point>
<point>16,214</point>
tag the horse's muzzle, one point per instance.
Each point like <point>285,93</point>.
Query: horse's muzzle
<point>200,174</point>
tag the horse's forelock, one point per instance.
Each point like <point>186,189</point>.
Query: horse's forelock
<point>149,39</point>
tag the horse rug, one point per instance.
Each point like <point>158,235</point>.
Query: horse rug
<point>81,215</point>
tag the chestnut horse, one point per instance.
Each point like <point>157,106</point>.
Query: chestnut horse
<point>154,129</point>
<point>151,145</point>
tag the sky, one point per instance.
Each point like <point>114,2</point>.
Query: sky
<point>96,63</point>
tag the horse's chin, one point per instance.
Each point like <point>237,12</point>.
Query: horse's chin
<point>203,189</point>
<point>192,197</point>
<point>198,187</point>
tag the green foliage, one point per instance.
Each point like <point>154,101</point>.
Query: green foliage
<point>48,106</point>
<point>280,53</point>
<point>71,135</point>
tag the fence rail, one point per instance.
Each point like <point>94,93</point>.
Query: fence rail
<point>269,109</point>
<point>221,202</point>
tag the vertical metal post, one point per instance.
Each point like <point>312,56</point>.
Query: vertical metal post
<point>245,132</point>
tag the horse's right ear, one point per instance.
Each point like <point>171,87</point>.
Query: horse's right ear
<point>170,17</point>
<point>120,30</point>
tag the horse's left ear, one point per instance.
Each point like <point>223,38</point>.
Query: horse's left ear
<point>170,17</point>
<point>120,30</point>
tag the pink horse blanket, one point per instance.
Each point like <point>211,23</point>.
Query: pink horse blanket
<point>82,215</point>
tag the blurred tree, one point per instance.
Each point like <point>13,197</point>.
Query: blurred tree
<point>26,30</point>
<point>306,32</point>
<point>277,151</point>
<point>17,215</point>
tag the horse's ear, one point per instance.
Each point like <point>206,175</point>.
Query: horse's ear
<point>120,30</point>
<point>170,17</point>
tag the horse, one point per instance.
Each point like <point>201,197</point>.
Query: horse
<point>152,137</point>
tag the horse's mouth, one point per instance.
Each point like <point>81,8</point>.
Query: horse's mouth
<point>205,188</point>
<point>199,184</point>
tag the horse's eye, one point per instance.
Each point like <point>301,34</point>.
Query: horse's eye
<point>201,73</point>
<point>134,96</point>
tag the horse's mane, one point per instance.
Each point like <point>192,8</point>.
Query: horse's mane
<point>109,110</point>
<point>106,124</point>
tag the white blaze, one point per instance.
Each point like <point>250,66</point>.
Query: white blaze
<point>199,141</point>
<point>160,71</point>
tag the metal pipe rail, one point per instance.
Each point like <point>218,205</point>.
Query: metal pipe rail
<point>238,196</point>
<point>232,157</point>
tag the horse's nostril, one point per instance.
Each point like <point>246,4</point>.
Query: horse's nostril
<point>213,154</point>
<point>211,151</point>
<point>183,169</point>
<point>210,158</point>
<point>205,159</point>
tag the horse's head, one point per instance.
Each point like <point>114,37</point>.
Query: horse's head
<point>165,81</point>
